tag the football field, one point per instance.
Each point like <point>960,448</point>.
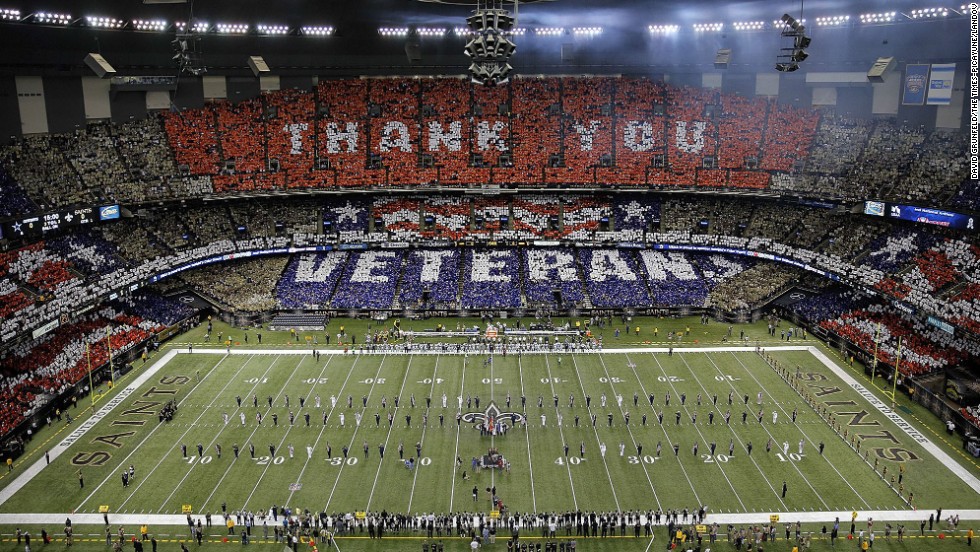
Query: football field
<point>570,446</point>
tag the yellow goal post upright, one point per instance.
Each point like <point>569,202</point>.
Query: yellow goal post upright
<point>898,360</point>
<point>91,386</point>
<point>108,346</point>
<point>874,361</point>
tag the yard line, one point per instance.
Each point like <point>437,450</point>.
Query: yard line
<point>493,472</point>
<point>374,382</point>
<point>322,429</point>
<point>411,496</point>
<point>154,430</point>
<point>221,430</point>
<point>520,371</point>
<point>698,429</point>
<point>390,428</point>
<point>597,439</point>
<point>736,435</point>
<point>628,428</point>
<point>805,436</point>
<point>551,382</point>
<point>667,435</point>
<point>228,469</point>
<point>452,489</point>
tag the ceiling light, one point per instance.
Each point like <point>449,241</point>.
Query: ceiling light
<point>149,25</point>
<point>549,31</point>
<point>197,27</point>
<point>749,25</point>
<point>262,28</point>
<point>231,28</point>
<point>884,17</point>
<point>393,31</point>
<point>793,23</point>
<point>708,27</point>
<point>317,30</point>
<point>926,13</point>
<point>663,29</point>
<point>47,18</point>
<point>9,15</point>
<point>587,31</point>
<point>104,22</point>
<point>834,21</point>
<point>431,31</point>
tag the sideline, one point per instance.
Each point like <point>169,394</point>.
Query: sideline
<point>721,519</point>
<point>361,352</point>
<point>945,459</point>
<point>31,471</point>
<point>749,518</point>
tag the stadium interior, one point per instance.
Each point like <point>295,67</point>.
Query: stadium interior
<point>360,171</point>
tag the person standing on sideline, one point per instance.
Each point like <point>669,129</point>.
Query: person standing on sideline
<point>784,490</point>
<point>81,480</point>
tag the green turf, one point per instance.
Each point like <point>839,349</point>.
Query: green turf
<point>541,478</point>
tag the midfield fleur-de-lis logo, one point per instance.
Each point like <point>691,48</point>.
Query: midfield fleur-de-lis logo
<point>491,415</point>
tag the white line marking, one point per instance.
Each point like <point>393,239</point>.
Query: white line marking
<point>551,382</point>
<point>598,441</point>
<point>629,429</point>
<point>208,447</point>
<point>288,429</point>
<point>322,429</point>
<point>390,428</point>
<point>340,472</point>
<point>909,430</point>
<point>452,489</point>
<point>425,426</point>
<point>805,436</point>
<point>662,428</point>
<point>698,429</point>
<point>530,465</point>
<point>735,433</point>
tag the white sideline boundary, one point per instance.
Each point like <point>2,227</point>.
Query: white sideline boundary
<point>734,518</point>
<point>60,448</point>
<point>954,466</point>
<point>156,520</point>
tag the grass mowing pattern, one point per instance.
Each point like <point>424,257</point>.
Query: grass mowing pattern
<point>542,477</point>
